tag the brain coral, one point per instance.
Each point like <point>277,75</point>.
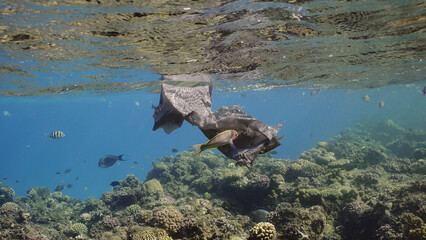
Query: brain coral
<point>153,187</point>
<point>262,231</point>
<point>169,219</point>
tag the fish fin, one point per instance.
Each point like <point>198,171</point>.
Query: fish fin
<point>120,157</point>
<point>197,148</point>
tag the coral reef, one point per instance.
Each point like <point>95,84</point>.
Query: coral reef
<point>262,231</point>
<point>77,229</point>
<point>6,194</point>
<point>362,184</point>
<point>167,218</point>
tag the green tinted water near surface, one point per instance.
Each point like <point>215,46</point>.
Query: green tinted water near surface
<point>104,45</point>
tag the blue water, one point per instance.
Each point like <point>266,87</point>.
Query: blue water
<point>98,125</point>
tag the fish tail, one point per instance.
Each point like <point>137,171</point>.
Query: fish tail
<point>120,157</point>
<point>197,148</point>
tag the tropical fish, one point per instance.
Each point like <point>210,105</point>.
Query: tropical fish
<point>3,179</point>
<point>381,104</point>
<point>274,152</point>
<point>57,173</point>
<point>68,170</point>
<point>57,135</point>
<point>109,160</point>
<point>423,92</point>
<point>77,178</point>
<point>7,114</point>
<point>17,180</point>
<point>69,185</point>
<point>85,188</point>
<point>221,139</point>
<point>59,188</point>
<point>366,98</point>
<point>114,183</point>
<point>2,195</point>
<point>135,162</point>
<point>175,150</point>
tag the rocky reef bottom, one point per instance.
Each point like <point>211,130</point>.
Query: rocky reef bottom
<point>366,183</point>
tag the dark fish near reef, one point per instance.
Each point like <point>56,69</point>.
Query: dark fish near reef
<point>69,185</point>
<point>221,139</point>
<point>273,152</point>
<point>109,160</point>
<point>114,183</point>
<point>17,181</point>
<point>59,188</point>
<point>423,92</point>
<point>366,98</point>
<point>77,178</point>
<point>57,135</point>
<point>175,150</point>
<point>381,104</point>
<point>68,170</point>
<point>135,162</point>
<point>57,173</point>
<point>259,215</point>
<point>3,179</point>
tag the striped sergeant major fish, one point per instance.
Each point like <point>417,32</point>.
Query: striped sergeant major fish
<point>221,139</point>
<point>56,135</point>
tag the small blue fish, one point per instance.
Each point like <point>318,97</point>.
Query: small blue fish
<point>57,135</point>
<point>109,160</point>
<point>423,92</point>
<point>381,104</point>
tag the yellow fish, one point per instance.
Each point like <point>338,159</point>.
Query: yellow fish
<point>2,195</point>
<point>85,188</point>
<point>221,139</point>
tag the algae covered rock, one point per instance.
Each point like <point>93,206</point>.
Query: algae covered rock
<point>152,188</point>
<point>14,222</point>
<point>296,222</point>
<point>7,194</point>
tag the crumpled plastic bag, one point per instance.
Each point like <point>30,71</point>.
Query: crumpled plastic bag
<point>193,104</point>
